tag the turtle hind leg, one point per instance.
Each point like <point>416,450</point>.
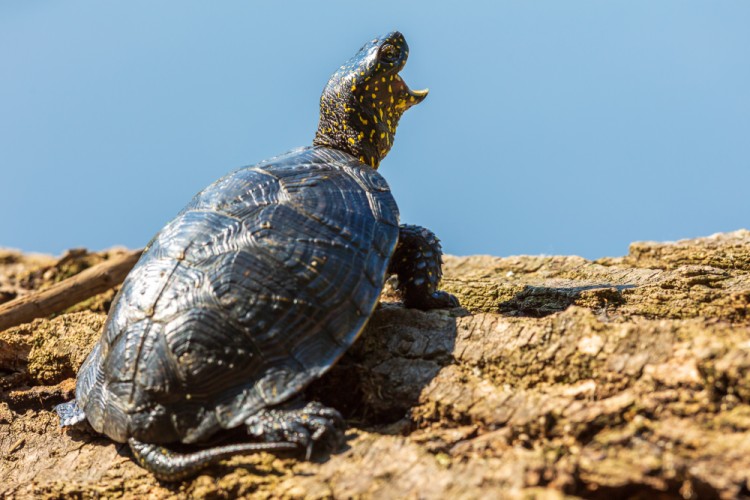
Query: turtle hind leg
<point>303,425</point>
<point>167,465</point>
<point>70,414</point>
<point>417,261</point>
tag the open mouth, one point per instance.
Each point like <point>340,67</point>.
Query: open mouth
<point>406,97</point>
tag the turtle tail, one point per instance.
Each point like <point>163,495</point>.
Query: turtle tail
<point>167,465</point>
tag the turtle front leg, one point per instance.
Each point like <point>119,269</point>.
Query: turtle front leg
<point>417,262</point>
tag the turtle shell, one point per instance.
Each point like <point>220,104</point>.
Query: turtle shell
<point>255,289</point>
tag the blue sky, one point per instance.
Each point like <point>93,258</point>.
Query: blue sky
<point>551,127</point>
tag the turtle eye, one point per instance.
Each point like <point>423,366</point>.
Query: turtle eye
<point>388,53</point>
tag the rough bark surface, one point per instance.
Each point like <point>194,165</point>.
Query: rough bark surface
<point>618,378</point>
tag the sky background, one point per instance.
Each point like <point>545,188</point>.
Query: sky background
<point>551,127</point>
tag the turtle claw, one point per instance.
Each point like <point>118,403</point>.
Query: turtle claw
<point>305,426</point>
<point>71,415</point>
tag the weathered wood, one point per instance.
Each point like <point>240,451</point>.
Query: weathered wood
<point>58,297</point>
<point>621,378</point>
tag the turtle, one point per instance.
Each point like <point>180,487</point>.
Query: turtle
<point>259,285</point>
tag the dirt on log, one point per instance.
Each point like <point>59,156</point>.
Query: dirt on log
<point>617,378</point>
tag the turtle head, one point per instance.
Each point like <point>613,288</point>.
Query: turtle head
<point>364,100</point>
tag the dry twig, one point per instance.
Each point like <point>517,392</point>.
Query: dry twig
<point>58,297</point>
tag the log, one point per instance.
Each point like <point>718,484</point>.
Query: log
<point>60,296</point>
<point>625,377</point>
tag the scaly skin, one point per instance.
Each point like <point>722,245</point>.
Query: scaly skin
<point>283,428</point>
<point>364,100</point>
<point>417,262</point>
<point>167,465</point>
